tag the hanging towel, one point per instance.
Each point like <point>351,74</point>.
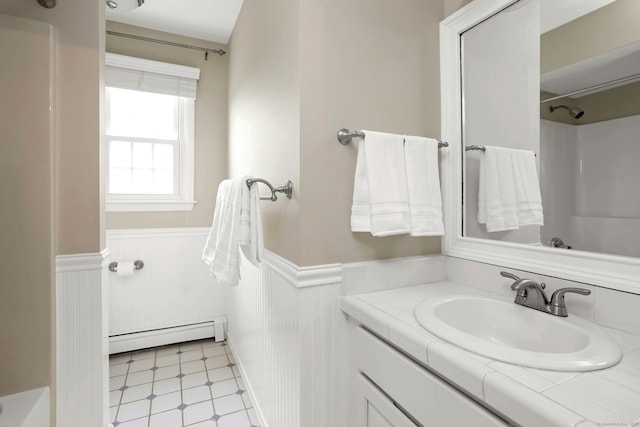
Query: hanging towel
<point>251,235</point>
<point>423,182</point>
<point>380,199</point>
<point>509,191</point>
<point>236,223</point>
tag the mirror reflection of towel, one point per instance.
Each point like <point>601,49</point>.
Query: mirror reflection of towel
<point>509,191</point>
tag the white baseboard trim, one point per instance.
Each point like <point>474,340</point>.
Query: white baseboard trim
<point>147,339</point>
<point>247,384</point>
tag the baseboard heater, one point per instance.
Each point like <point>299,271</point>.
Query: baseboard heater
<point>154,338</point>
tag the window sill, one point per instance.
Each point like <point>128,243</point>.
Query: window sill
<point>149,206</point>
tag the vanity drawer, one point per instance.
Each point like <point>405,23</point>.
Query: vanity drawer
<point>428,399</point>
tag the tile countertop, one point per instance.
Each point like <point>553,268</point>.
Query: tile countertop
<point>530,397</point>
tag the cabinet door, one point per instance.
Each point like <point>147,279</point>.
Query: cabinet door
<point>430,401</point>
<point>376,409</point>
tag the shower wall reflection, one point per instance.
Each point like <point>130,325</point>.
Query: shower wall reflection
<point>589,179</point>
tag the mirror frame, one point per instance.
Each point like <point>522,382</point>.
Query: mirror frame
<point>609,271</point>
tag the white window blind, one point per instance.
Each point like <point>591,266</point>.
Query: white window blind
<point>149,134</point>
<point>126,72</point>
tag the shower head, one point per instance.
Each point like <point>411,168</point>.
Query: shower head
<point>575,112</point>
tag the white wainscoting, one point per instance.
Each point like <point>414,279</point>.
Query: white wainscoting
<point>286,331</point>
<point>289,337</point>
<point>173,298</point>
<point>81,340</point>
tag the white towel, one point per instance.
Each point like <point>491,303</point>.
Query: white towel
<point>423,182</point>
<point>236,222</point>
<point>380,199</point>
<point>251,235</point>
<point>509,191</point>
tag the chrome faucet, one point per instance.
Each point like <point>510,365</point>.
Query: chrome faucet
<point>531,294</point>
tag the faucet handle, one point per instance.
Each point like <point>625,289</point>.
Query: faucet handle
<point>557,304</point>
<point>516,279</point>
<point>509,275</point>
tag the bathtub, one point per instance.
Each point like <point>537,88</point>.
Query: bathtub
<point>26,409</point>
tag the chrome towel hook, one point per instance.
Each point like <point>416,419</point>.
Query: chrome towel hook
<point>287,188</point>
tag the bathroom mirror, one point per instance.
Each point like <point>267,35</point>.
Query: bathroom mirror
<point>492,87</point>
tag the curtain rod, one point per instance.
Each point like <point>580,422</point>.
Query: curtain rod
<point>627,79</point>
<point>186,46</point>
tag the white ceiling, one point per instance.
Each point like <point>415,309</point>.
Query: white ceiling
<point>554,13</point>
<point>211,20</point>
<point>214,20</point>
<point>604,68</point>
<point>610,66</point>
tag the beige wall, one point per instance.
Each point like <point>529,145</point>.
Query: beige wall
<point>211,123</point>
<point>26,188</point>
<point>605,29</point>
<point>451,6</point>
<point>302,69</point>
<point>80,32</point>
<point>29,311</point>
<point>365,64</point>
<point>264,111</point>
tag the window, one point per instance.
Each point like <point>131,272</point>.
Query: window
<point>149,128</point>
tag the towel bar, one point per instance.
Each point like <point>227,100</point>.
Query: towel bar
<point>474,147</point>
<point>480,148</point>
<point>287,188</point>
<point>345,136</point>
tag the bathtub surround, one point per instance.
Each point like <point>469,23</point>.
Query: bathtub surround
<point>599,216</point>
<point>26,409</point>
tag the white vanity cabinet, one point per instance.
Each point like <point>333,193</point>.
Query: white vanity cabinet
<point>376,409</point>
<point>393,390</point>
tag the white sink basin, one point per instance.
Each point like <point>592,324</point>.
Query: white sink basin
<point>514,334</point>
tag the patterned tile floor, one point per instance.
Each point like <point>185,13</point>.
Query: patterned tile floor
<point>190,384</point>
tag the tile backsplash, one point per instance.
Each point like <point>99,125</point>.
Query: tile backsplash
<point>380,275</point>
<point>608,307</point>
